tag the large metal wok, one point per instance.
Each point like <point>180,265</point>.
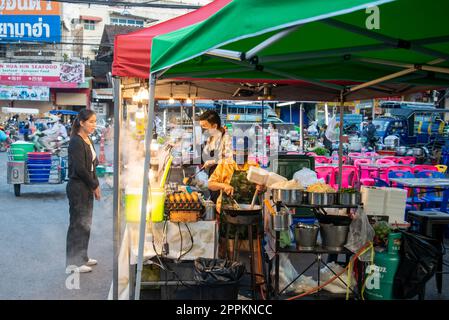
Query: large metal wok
<point>245,209</point>
<point>243,216</point>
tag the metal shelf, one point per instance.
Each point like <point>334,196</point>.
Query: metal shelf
<point>339,206</point>
<point>316,250</point>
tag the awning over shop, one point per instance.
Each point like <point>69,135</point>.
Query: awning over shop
<point>91,18</point>
<point>132,51</point>
<point>71,99</point>
<point>20,110</point>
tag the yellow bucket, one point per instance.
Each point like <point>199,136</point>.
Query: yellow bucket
<point>157,204</point>
<point>133,199</point>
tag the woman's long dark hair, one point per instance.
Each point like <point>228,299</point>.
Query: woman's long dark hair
<point>84,115</point>
<point>212,117</point>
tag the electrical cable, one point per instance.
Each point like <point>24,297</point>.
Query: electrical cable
<point>166,267</point>
<point>191,240</point>
<point>127,4</point>
<point>180,235</point>
<point>313,290</point>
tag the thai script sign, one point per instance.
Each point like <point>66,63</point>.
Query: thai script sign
<point>27,7</point>
<point>30,28</point>
<point>41,74</point>
<point>24,93</point>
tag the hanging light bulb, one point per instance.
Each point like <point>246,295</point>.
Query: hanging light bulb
<point>144,95</point>
<point>171,100</point>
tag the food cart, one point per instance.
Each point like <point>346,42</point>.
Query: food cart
<point>26,167</point>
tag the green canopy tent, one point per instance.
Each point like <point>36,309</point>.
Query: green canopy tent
<point>337,49</point>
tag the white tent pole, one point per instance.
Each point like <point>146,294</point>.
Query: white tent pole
<point>383,79</point>
<point>268,42</point>
<point>116,195</point>
<point>340,141</point>
<point>326,114</point>
<point>146,167</point>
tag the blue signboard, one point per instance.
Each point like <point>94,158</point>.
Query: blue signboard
<point>30,28</point>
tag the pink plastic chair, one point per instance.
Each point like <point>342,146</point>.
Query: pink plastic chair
<point>381,173</point>
<point>349,177</point>
<point>345,159</point>
<point>394,159</point>
<point>422,167</point>
<point>365,178</point>
<point>326,173</point>
<point>354,154</point>
<point>407,160</point>
<point>321,159</point>
<point>371,154</point>
<point>385,161</point>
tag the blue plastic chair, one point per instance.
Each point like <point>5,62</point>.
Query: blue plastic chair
<point>432,195</point>
<point>405,175</point>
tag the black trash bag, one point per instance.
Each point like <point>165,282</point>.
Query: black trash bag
<point>419,258</point>
<point>212,271</point>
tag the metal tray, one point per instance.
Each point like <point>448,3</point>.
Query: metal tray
<point>350,199</point>
<point>289,197</point>
<point>323,199</point>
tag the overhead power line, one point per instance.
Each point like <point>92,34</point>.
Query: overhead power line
<point>147,4</point>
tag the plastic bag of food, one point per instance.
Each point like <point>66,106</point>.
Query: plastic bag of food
<point>339,285</point>
<point>360,233</point>
<point>288,273</point>
<point>306,177</point>
<point>287,185</point>
<point>332,131</point>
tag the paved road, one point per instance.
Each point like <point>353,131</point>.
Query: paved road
<point>33,232</point>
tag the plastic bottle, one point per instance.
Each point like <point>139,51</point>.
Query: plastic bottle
<point>335,157</point>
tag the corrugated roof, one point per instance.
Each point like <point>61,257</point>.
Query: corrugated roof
<point>91,18</point>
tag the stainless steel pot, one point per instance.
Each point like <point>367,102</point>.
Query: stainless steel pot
<point>288,197</point>
<point>306,235</point>
<point>209,211</point>
<point>401,151</point>
<point>323,199</point>
<point>333,236</point>
<point>417,152</point>
<point>280,221</point>
<point>349,199</point>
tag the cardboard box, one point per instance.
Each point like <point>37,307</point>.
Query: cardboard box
<point>373,200</point>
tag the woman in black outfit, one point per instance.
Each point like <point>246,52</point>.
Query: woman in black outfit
<point>83,185</point>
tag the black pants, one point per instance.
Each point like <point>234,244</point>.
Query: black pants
<point>81,203</point>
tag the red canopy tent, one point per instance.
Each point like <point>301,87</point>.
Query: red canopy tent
<point>132,50</point>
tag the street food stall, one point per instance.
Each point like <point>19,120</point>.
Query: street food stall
<point>200,55</point>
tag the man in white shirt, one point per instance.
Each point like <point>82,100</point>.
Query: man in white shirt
<point>52,134</point>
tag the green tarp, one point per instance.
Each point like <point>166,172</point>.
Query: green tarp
<point>334,43</point>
